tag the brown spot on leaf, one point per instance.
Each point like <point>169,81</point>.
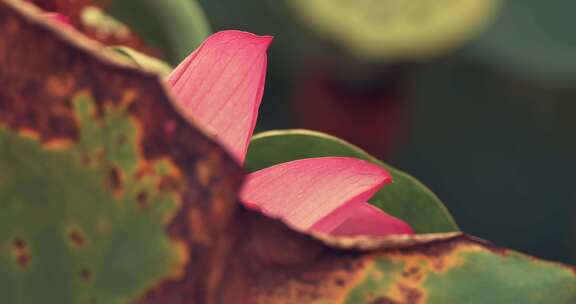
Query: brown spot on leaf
<point>23,259</point>
<point>115,179</point>
<point>169,184</point>
<point>21,252</point>
<point>383,300</point>
<point>77,238</point>
<point>85,274</point>
<point>413,273</point>
<point>19,243</point>
<point>142,199</point>
<point>411,295</point>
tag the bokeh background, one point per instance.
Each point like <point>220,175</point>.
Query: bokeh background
<point>476,98</point>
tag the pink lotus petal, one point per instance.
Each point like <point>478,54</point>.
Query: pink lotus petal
<point>221,84</point>
<point>59,18</point>
<point>320,194</point>
<point>363,220</point>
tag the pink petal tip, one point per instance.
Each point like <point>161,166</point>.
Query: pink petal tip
<point>363,220</point>
<point>220,85</point>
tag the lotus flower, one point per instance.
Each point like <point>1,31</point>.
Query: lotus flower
<point>220,87</point>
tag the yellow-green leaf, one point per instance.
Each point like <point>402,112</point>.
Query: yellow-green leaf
<point>396,29</point>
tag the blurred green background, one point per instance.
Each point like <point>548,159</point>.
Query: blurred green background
<point>476,98</point>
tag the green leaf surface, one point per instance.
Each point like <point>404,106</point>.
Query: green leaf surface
<point>71,226</point>
<point>405,198</point>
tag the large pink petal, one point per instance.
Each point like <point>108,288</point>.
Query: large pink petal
<point>364,219</point>
<point>221,84</point>
<point>304,192</point>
